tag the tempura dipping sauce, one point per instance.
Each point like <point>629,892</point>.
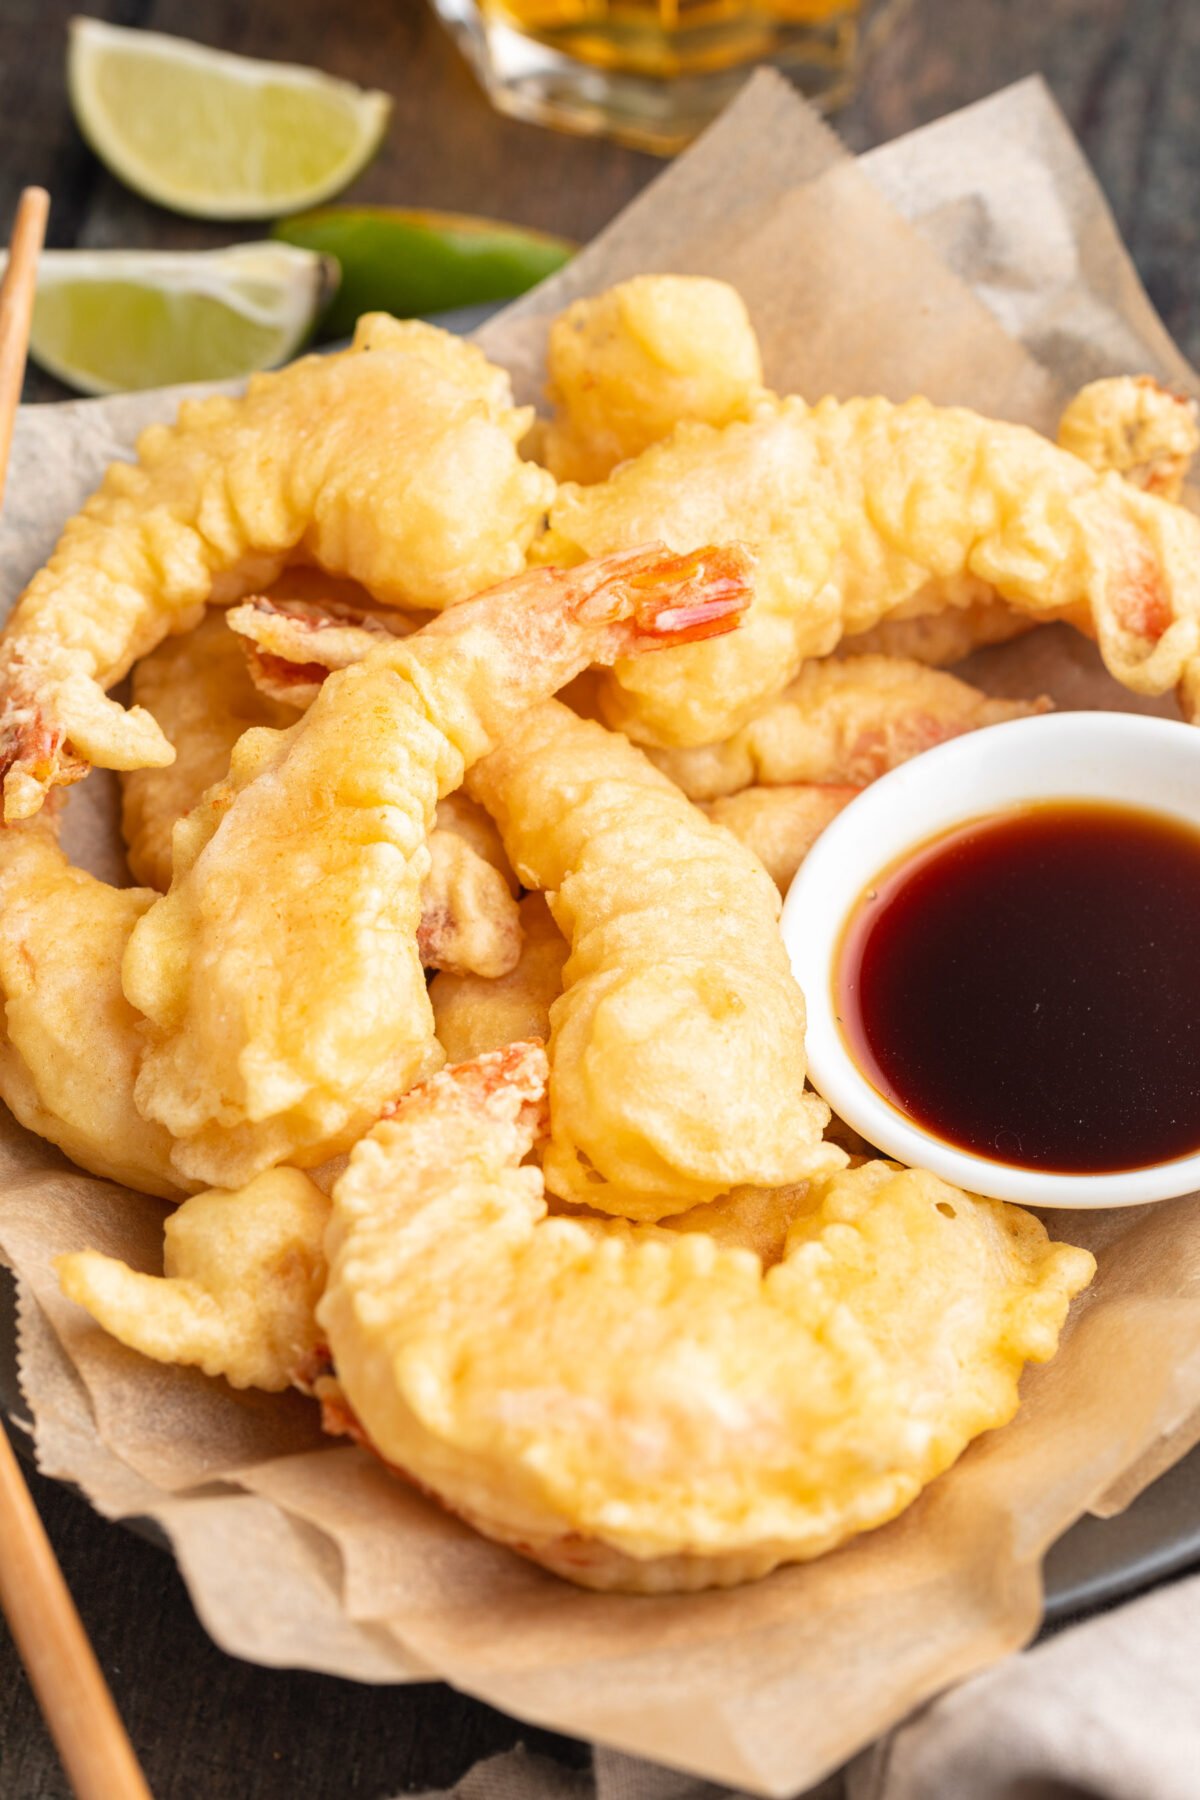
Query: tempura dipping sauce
<point>1027,987</point>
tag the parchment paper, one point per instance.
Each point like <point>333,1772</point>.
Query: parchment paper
<point>975,262</point>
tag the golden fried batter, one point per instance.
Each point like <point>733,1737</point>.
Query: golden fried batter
<point>469,920</point>
<point>677,1045</point>
<point>242,1274</point>
<point>280,977</point>
<point>72,1041</point>
<point>843,721</point>
<point>626,365</point>
<point>861,508</point>
<point>471,1015</point>
<point>197,688</point>
<point>1135,426</point>
<point>780,824</point>
<point>200,690</point>
<point>277,638</point>
<point>649,1410</point>
<point>393,462</point>
<point>941,639</point>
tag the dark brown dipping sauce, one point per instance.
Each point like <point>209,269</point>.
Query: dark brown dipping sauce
<point>1028,987</point>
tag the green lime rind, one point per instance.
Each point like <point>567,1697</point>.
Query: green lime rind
<point>411,263</point>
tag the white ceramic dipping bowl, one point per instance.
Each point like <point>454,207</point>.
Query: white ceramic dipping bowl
<point>1122,758</point>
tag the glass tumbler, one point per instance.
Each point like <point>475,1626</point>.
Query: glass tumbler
<point>650,72</point>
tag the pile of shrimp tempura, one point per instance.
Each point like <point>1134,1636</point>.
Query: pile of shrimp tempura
<point>468,761</point>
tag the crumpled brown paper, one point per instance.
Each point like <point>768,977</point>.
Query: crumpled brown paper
<point>974,261</point>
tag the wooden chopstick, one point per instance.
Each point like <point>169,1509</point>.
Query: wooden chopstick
<point>62,1669</point>
<point>16,310</point>
<point>65,1675</point>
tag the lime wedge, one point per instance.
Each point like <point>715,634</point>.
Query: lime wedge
<point>214,135</point>
<point>106,321</point>
<point>410,263</point>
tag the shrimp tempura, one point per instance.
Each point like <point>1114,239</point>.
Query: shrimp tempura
<point>280,977</point>
<point>780,824</point>
<point>844,721</point>
<point>650,1410</point>
<point>1129,424</point>
<point>626,365</point>
<point>472,1015</point>
<point>858,509</point>
<point>393,462</point>
<point>1135,426</point>
<point>242,1274</point>
<point>677,1045</point>
<point>277,633</point>
<point>199,689</point>
<point>69,1052</point>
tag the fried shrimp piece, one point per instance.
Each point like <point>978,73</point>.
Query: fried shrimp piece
<point>394,463</point>
<point>280,977</point>
<point>70,1048</point>
<point>277,636</point>
<point>842,721</point>
<point>198,690</point>
<point>943,638</point>
<point>471,822</point>
<point>677,1045</point>
<point>861,508</point>
<point>469,920</point>
<point>649,1410</point>
<point>757,1219</point>
<point>626,365</point>
<point>242,1274</point>
<point>780,824</point>
<point>1128,424</point>
<point>471,1015</point>
<point>1135,426</point>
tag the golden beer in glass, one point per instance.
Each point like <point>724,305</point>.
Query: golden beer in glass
<point>651,72</point>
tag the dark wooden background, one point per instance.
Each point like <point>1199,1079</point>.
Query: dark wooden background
<point>1127,73</point>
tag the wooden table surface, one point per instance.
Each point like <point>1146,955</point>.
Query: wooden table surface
<point>1127,73</point>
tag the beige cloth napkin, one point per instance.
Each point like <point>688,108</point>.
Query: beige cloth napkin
<point>1108,1710</point>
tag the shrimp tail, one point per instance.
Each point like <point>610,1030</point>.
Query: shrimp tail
<point>35,757</point>
<point>499,1097</point>
<point>671,599</point>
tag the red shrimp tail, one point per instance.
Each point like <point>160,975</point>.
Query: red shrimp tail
<point>670,598</point>
<point>504,1091</point>
<point>703,594</point>
<point>35,753</point>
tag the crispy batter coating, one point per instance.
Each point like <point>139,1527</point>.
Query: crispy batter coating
<point>394,462</point>
<point>941,639</point>
<point>277,637</point>
<point>1135,426</point>
<point>472,1015</point>
<point>844,721</point>
<point>677,1045</point>
<point>858,509</point>
<point>242,1274</point>
<point>280,977</point>
<point>198,689</point>
<point>69,1054</point>
<point>626,365</point>
<point>649,1410</point>
<point>1129,424</point>
<point>780,824</point>
<point>457,812</point>
<point>469,920</point>
<point>757,1219</point>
